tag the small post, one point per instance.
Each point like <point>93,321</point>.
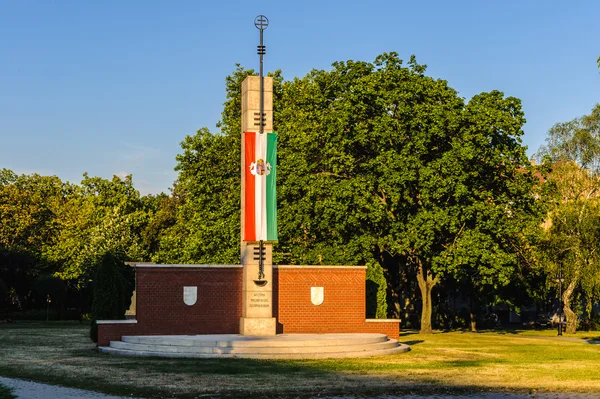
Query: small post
<point>48,301</point>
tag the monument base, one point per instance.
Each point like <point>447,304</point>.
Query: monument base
<point>258,326</point>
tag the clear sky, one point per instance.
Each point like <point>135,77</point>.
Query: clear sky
<point>112,87</point>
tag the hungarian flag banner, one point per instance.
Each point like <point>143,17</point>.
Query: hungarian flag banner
<point>260,200</point>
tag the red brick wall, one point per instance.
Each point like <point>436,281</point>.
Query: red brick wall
<point>160,307</point>
<point>342,311</point>
<point>390,328</point>
<point>114,332</point>
<point>161,310</point>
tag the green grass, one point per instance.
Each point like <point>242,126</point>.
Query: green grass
<point>61,353</point>
<point>588,335</point>
<point>6,392</point>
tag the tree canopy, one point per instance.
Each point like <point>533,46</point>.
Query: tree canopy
<point>377,163</point>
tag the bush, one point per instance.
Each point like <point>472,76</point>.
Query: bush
<point>3,293</point>
<point>111,292</point>
<point>595,322</point>
<point>376,292</point>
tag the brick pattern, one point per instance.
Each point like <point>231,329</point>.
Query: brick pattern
<point>342,311</point>
<point>114,332</point>
<point>160,307</point>
<point>389,328</point>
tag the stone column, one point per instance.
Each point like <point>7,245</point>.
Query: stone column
<point>257,304</point>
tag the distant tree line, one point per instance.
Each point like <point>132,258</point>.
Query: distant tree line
<point>379,165</point>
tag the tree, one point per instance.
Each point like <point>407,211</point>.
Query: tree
<point>378,164</point>
<point>112,291</point>
<point>29,205</point>
<point>572,232</point>
<point>205,224</point>
<point>379,161</point>
<point>162,215</point>
<point>100,216</point>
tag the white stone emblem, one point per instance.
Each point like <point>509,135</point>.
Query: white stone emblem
<point>190,295</point>
<point>317,294</point>
<point>260,168</point>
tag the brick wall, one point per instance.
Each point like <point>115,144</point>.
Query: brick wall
<point>114,332</point>
<point>161,310</point>
<point>344,306</point>
<point>218,308</point>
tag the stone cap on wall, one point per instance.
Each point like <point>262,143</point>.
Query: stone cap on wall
<point>157,265</point>
<point>383,320</point>
<point>116,321</point>
<point>317,267</point>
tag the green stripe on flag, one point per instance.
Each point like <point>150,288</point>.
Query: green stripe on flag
<point>271,200</point>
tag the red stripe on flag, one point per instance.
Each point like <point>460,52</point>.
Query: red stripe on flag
<point>249,192</point>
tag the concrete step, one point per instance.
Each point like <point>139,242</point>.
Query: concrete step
<point>242,341</point>
<point>282,346</point>
<point>399,348</point>
<point>206,348</point>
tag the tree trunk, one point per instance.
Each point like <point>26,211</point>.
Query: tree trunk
<point>473,322</point>
<point>569,314</point>
<point>426,283</point>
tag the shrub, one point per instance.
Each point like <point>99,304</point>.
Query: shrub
<point>111,292</point>
<point>376,291</point>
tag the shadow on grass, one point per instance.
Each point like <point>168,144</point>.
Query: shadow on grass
<point>408,333</point>
<point>413,342</point>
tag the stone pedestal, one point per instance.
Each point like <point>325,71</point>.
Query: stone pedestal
<point>257,294</point>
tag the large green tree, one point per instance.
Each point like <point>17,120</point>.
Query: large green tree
<point>572,234</point>
<point>379,161</point>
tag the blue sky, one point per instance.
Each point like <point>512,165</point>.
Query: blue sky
<point>112,87</point>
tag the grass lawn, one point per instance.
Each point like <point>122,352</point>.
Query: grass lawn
<point>5,392</point>
<point>61,353</point>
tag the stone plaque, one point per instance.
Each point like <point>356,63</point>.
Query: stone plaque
<point>190,295</point>
<point>317,294</point>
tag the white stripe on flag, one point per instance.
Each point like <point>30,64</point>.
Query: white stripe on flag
<point>260,188</point>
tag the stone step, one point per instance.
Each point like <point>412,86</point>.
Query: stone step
<point>400,348</point>
<point>241,341</point>
<point>207,348</point>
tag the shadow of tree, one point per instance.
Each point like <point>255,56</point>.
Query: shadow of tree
<point>413,342</point>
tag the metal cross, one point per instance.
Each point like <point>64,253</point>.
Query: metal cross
<point>261,22</point>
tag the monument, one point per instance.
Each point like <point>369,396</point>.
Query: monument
<point>259,202</point>
<point>255,309</point>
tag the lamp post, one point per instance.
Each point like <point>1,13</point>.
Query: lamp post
<point>48,301</point>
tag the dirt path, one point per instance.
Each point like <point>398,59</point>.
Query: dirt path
<point>34,390</point>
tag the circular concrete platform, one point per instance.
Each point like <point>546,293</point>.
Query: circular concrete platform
<point>282,346</point>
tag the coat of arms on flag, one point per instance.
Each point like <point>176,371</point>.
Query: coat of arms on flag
<point>260,174</point>
<point>260,168</point>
